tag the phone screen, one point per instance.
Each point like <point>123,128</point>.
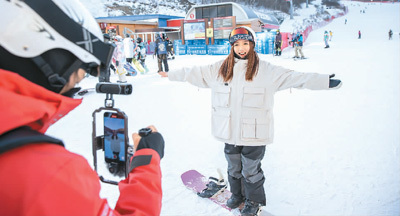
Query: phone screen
<point>114,137</point>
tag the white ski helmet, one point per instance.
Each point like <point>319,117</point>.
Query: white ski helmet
<point>33,27</point>
<point>242,33</point>
<point>118,38</point>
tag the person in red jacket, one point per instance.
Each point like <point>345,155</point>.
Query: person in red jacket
<point>46,47</point>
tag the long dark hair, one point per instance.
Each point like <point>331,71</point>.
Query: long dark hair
<point>226,70</point>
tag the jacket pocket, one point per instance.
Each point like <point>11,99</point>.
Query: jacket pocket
<point>221,123</point>
<point>256,127</point>
<point>253,97</point>
<point>221,96</point>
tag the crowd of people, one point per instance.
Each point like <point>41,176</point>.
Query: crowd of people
<point>129,50</point>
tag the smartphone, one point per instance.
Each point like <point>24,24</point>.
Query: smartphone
<point>114,142</point>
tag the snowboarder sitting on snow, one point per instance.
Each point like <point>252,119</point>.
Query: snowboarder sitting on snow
<point>298,45</point>
<point>278,43</point>
<point>38,175</point>
<point>243,88</point>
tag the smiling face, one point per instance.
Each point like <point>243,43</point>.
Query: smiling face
<point>241,48</point>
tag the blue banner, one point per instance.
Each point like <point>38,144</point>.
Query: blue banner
<point>196,49</point>
<point>219,49</point>
<point>179,49</point>
<point>264,42</point>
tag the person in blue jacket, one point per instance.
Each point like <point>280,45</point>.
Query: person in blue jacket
<point>161,52</point>
<point>298,45</point>
<point>326,37</point>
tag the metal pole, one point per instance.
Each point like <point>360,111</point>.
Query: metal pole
<point>291,9</point>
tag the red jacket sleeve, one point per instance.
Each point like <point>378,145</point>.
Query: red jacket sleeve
<point>141,193</point>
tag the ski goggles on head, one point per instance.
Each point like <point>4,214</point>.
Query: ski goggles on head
<point>96,70</point>
<point>91,68</point>
<point>105,64</point>
<point>240,34</point>
<point>237,31</point>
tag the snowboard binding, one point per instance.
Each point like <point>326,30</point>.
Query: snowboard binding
<point>214,187</point>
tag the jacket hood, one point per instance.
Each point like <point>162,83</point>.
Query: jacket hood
<point>25,103</point>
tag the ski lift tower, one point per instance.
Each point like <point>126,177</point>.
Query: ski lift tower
<point>291,8</point>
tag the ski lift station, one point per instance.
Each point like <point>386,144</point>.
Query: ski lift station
<point>204,30</point>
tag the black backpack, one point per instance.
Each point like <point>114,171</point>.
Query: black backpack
<point>24,136</point>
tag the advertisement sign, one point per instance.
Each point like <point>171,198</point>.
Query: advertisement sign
<point>222,27</point>
<point>194,29</point>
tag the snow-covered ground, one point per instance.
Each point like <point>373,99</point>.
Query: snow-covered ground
<point>335,152</point>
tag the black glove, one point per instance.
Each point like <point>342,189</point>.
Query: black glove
<point>334,82</point>
<point>153,141</point>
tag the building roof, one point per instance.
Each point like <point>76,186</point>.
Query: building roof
<point>244,13</point>
<point>265,18</point>
<point>137,18</point>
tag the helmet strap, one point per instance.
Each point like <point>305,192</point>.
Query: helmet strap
<point>56,81</point>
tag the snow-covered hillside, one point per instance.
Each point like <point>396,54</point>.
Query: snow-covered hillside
<point>105,8</point>
<point>335,152</point>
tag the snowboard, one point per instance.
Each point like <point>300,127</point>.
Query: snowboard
<point>298,59</point>
<point>196,182</point>
<point>131,71</point>
<point>139,66</point>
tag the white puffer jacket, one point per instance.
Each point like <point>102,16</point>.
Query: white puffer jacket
<point>128,47</point>
<point>241,110</point>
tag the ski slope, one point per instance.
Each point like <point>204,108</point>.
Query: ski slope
<point>335,152</point>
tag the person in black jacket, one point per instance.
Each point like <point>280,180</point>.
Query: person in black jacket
<point>278,43</point>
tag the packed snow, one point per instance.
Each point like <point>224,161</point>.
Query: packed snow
<point>335,152</point>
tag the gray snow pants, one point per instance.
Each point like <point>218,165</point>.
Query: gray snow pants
<point>245,176</point>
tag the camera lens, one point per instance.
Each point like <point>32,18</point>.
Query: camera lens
<point>113,168</point>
